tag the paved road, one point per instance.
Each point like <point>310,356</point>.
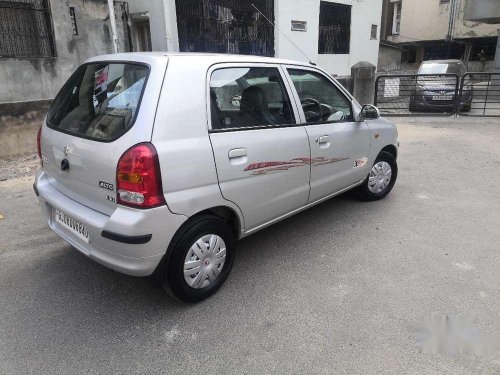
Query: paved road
<point>340,288</point>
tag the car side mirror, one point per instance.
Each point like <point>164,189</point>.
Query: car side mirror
<point>369,112</point>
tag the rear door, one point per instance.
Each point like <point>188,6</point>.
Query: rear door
<point>91,123</point>
<point>340,147</point>
<point>261,154</point>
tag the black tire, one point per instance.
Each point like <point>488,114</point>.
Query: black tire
<point>364,192</point>
<point>173,270</point>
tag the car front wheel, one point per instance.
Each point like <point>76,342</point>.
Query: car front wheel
<point>381,178</point>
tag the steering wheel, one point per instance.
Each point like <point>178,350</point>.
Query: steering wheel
<point>310,102</point>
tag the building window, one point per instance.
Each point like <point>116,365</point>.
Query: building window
<point>373,32</point>
<point>396,19</point>
<point>334,28</point>
<point>26,29</point>
<point>226,26</point>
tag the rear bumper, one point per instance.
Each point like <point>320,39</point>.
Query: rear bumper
<point>131,257</point>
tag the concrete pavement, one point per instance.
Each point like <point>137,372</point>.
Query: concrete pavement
<point>340,288</point>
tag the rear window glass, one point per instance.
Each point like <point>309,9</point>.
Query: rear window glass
<point>100,101</point>
<point>440,68</point>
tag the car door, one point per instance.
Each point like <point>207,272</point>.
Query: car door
<point>261,153</point>
<point>340,146</point>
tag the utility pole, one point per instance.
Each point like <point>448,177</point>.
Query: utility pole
<point>451,24</point>
<point>113,25</point>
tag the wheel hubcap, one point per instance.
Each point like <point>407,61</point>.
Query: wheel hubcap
<point>204,261</point>
<point>380,177</point>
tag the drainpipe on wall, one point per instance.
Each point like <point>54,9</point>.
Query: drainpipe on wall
<point>112,20</point>
<point>168,23</point>
<point>496,64</point>
<point>451,25</point>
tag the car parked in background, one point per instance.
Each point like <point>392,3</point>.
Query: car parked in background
<point>155,164</point>
<point>436,88</point>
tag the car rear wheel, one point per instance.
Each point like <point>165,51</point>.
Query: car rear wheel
<point>200,260</point>
<point>381,178</point>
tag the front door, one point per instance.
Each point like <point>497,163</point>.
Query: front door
<point>261,154</point>
<point>339,145</point>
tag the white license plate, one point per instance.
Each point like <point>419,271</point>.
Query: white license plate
<point>442,97</point>
<point>73,225</point>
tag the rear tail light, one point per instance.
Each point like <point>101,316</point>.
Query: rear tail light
<point>138,178</point>
<point>38,145</point>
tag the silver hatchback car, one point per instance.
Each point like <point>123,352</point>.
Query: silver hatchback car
<point>155,164</point>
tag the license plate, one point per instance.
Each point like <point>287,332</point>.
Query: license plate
<point>442,97</point>
<point>73,225</point>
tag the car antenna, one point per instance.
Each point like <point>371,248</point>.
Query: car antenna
<point>282,33</point>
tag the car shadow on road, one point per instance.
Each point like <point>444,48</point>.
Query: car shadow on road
<point>69,280</point>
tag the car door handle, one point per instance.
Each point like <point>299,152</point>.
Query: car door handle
<point>323,139</point>
<point>237,153</point>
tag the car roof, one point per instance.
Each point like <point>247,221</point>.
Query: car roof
<point>450,61</point>
<point>208,58</point>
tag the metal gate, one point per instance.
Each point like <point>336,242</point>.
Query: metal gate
<point>225,26</point>
<point>26,29</point>
<point>474,94</point>
<point>482,91</point>
<point>417,94</point>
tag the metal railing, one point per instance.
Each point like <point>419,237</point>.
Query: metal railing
<point>225,26</point>
<point>417,94</point>
<point>482,90</point>
<point>26,29</point>
<point>334,28</point>
<point>474,94</point>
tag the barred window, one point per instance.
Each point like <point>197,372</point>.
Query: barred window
<point>334,28</point>
<point>26,29</point>
<point>226,26</point>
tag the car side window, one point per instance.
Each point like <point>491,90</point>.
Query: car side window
<point>248,97</point>
<point>321,100</point>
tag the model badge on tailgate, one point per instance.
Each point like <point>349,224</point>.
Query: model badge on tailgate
<point>106,185</point>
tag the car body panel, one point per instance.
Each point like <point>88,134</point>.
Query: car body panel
<point>196,173</point>
<point>333,163</point>
<point>130,259</point>
<point>91,176</point>
<point>180,135</point>
<point>270,180</point>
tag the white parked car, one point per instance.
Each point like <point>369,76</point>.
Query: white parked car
<point>155,164</point>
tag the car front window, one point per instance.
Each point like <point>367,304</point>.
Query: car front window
<point>321,100</point>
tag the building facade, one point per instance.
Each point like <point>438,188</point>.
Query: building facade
<point>42,42</point>
<point>437,29</point>
<point>333,34</point>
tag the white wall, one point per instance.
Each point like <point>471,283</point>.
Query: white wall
<point>364,13</point>
<point>298,10</point>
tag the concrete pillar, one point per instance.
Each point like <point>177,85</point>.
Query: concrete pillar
<point>363,78</point>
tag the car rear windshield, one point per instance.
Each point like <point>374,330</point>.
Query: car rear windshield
<point>440,68</point>
<point>100,101</point>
